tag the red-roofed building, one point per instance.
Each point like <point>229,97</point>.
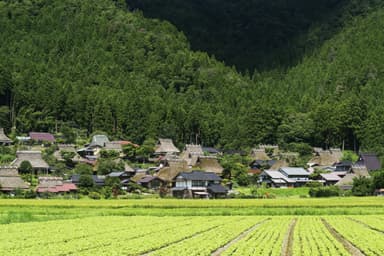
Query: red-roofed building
<point>54,185</point>
<point>42,137</point>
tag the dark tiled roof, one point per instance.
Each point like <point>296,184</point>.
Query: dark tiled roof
<point>370,160</point>
<point>217,188</point>
<point>199,175</point>
<point>211,150</point>
<point>99,180</point>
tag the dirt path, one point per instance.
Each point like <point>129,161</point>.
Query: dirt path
<point>286,249</point>
<point>177,241</point>
<point>220,250</point>
<point>367,226</point>
<point>354,251</point>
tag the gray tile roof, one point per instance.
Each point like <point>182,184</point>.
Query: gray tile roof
<point>199,175</point>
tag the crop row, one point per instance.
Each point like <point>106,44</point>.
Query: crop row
<point>369,241</point>
<point>267,239</point>
<point>311,238</point>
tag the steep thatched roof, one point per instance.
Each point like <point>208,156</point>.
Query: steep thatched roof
<point>259,154</point>
<point>274,148</point>
<point>34,157</point>
<point>191,153</point>
<point>166,146</point>
<point>3,138</point>
<point>278,164</point>
<point>10,179</point>
<point>64,148</point>
<point>138,176</point>
<point>173,168</point>
<point>209,164</point>
<point>347,181</point>
<point>326,157</point>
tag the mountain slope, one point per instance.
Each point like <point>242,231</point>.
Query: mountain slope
<point>94,66</point>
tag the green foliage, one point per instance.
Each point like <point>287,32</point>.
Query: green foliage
<point>25,167</point>
<point>378,179</point>
<point>86,181</point>
<point>94,195</point>
<point>83,169</point>
<point>109,154</point>
<point>324,191</point>
<point>69,135</point>
<point>106,166</point>
<point>349,156</point>
<point>362,186</point>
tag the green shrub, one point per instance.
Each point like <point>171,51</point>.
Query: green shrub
<point>94,195</point>
<point>324,191</point>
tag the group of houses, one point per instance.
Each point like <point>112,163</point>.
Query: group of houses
<point>199,170</point>
<point>193,172</point>
<point>331,169</point>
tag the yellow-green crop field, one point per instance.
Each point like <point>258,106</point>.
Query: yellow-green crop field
<point>164,227</point>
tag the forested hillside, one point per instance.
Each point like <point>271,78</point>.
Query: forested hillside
<point>96,66</point>
<point>255,34</point>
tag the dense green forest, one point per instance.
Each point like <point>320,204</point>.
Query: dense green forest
<point>96,66</point>
<point>255,34</point>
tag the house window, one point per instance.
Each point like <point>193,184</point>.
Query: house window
<point>198,183</point>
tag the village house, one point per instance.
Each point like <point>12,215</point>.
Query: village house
<point>10,179</point>
<point>121,175</point>
<point>150,182</point>
<point>329,179</point>
<point>210,151</point>
<point>98,180</point>
<point>166,147</point>
<point>171,169</point>
<point>325,157</point>
<point>210,164</point>
<point>92,150</point>
<point>369,160</point>
<point>42,137</point>
<point>346,182</point>
<point>275,179</point>
<point>191,154</point>
<point>55,185</point>
<point>4,140</point>
<point>298,174</point>
<point>198,184</point>
<point>34,158</point>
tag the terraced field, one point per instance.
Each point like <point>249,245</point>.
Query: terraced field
<point>194,235</point>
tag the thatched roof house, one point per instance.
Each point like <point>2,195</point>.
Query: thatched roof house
<point>347,181</point>
<point>259,154</point>
<point>210,164</point>
<point>34,157</point>
<point>172,169</point>
<point>326,157</point>
<point>10,179</point>
<point>166,146</point>
<point>278,164</point>
<point>4,140</point>
<point>64,148</point>
<point>191,153</point>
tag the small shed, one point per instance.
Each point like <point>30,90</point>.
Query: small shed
<point>330,178</point>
